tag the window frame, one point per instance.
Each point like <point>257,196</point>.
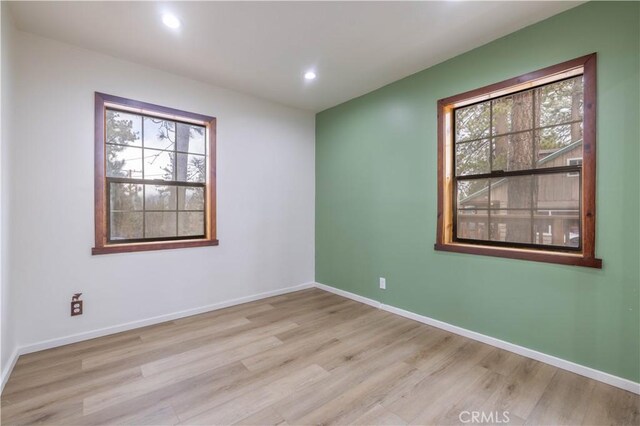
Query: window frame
<point>445,239</point>
<point>569,160</point>
<point>102,243</point>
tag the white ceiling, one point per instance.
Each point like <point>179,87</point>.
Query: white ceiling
<point>264,48</point>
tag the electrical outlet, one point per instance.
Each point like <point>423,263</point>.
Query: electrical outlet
<point>76,305</point>
<point>383,283</point>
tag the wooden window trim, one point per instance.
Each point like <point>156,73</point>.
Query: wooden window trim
<point>585,65</point>
<point>102,101</point>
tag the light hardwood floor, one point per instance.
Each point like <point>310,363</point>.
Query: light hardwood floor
<point>309,357</point>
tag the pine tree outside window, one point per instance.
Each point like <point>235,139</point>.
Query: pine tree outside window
<point>155,177</point>
<point>516,175</point>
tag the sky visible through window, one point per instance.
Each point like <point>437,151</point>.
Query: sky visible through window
<point>156,177</point>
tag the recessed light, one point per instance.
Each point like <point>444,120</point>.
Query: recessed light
<point>170,21</point>
<point>310,75</point>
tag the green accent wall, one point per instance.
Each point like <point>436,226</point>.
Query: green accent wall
<point>376,200</point>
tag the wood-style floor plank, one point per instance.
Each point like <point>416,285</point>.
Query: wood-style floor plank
<point>308,357</point>
<point>565,400</point>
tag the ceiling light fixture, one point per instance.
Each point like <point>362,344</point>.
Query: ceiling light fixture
<point>170,21</point>
<point>310,75</point>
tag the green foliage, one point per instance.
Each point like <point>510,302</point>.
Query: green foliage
<point>554,110</point>
<point>123,132</point>
<point>120,133</point>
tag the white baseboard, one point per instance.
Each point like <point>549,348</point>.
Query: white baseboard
<point>348,295</point>
<point>520,350</point>
<point>582,370</point>
<point>73,338</point>
<point>7,372</point>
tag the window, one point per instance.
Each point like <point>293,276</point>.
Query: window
<point>574,162</point>
<point>516,167</point>
<point>154,177</point>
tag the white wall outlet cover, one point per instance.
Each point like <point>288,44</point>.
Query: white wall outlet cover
<point>383,283</point>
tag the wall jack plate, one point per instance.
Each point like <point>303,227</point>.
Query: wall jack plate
<point>76,305</point>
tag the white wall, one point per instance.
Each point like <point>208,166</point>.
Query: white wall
<point>265,191</point>
<point>7,341</point>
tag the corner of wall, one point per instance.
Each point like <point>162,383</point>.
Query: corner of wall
<point>8,347</point>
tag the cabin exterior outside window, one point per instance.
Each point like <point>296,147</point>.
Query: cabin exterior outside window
<point>516,167</point>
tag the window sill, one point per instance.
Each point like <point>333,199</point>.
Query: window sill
<point>576,259</point>
<point>156,245</point>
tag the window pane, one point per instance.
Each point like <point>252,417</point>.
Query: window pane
<point>513,226</point>
<point>160,224</point>
<point>159,134</point>
<point>557,228</point>
<point>561,102</point>
<point>472,158</point>
<point>512,192</point>
<point>190,223</point>
<point>190,198</point>
<point>513,113</point>
<point>472,122</point>
<point>557,143</point>
<point>191,138</point>
<point>125,225</point>
<point>472,224</point>
<point>158,164</point>
<point>529,132</point>
<point>191,168</point>
<point>160,197</point>
<point>123,161</point>
<point>125,196</point>
<point>473,194</point>
<point>513,152</point>
<point>558,191</point>
<point>123,128</point>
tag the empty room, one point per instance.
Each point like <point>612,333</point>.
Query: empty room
<point>312,213</point>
